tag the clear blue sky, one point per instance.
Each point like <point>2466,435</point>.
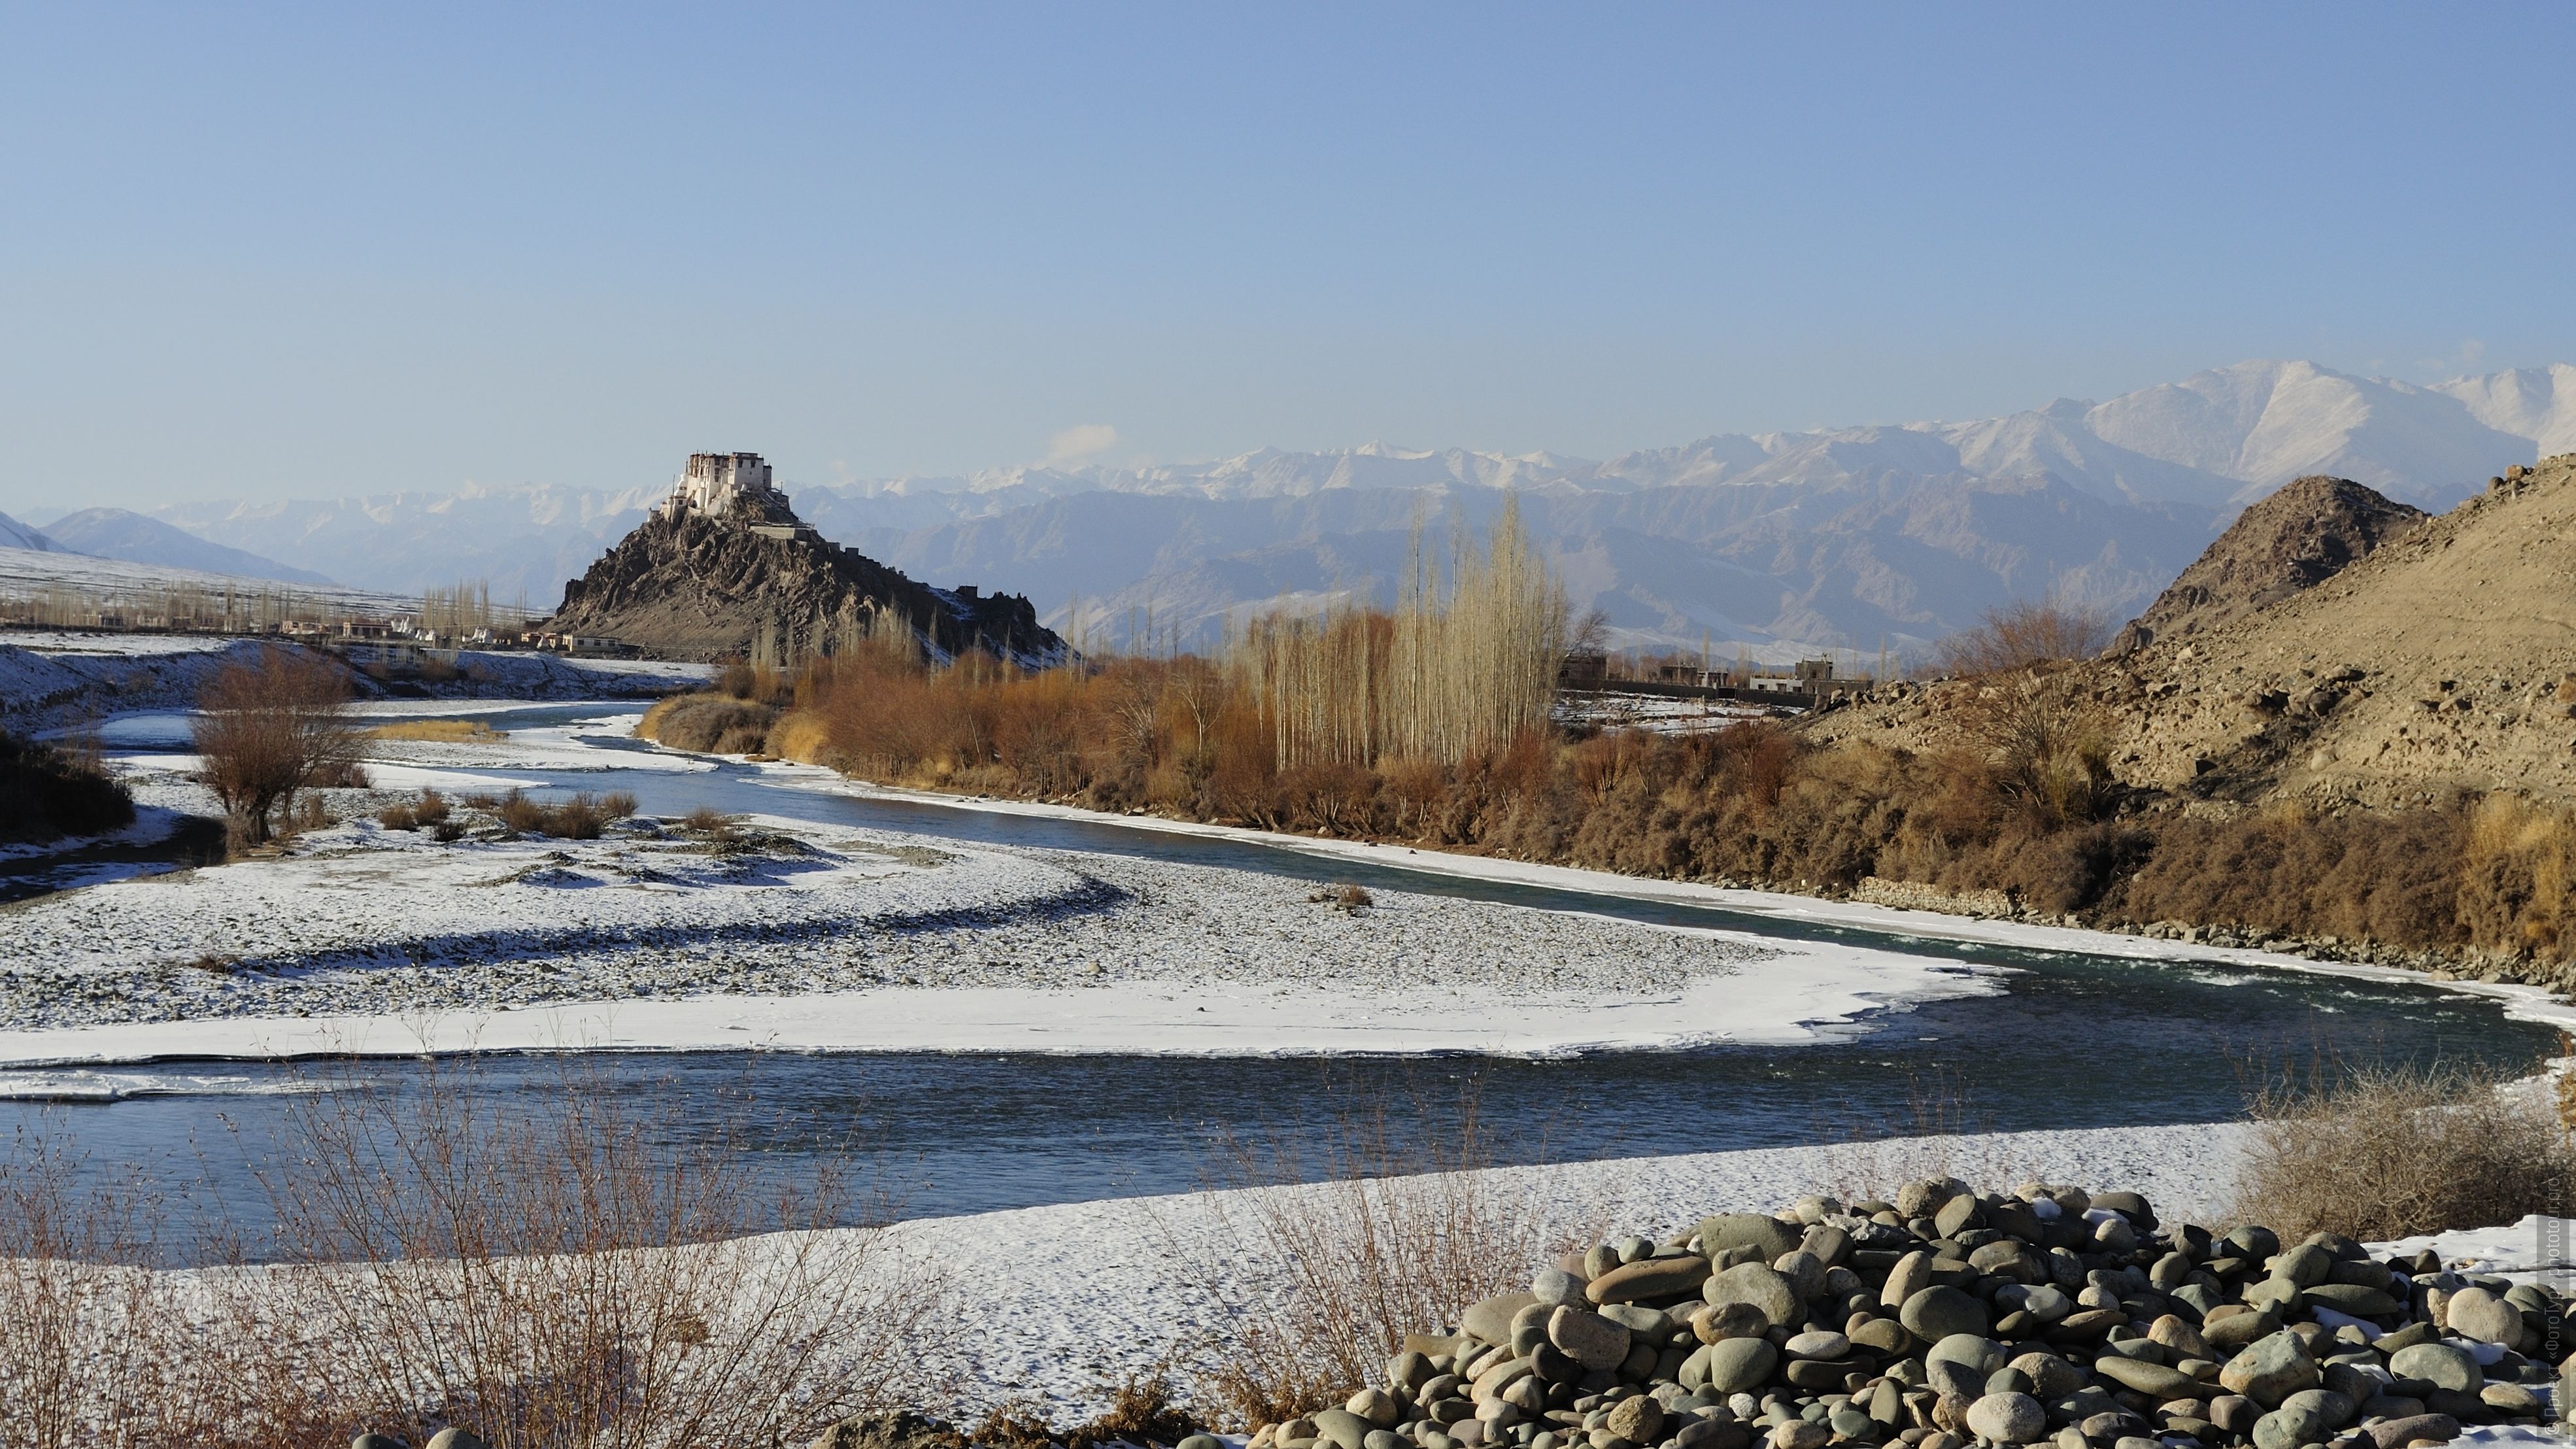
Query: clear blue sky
<point>272,252</point>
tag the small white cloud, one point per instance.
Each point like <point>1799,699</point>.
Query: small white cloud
<point>1079,442</point>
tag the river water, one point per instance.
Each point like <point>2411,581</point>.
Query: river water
<point>2076,1040</point>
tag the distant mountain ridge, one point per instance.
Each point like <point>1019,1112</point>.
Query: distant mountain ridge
<point>1780,543</point>
<point>14,534</point>
<point>122,534</point>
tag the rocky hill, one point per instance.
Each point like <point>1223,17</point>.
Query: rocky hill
<point>2443,661</point>
<point>688,586</point>
<point>2309,531</point>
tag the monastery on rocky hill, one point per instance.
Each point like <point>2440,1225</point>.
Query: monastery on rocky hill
<point>718,483</point>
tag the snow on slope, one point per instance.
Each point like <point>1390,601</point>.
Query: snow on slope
<point>14,534</point>
<point>29,568</point>
<point>120,533</point>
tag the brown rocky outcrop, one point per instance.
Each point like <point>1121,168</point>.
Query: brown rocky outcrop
<point>2442,661</point>
<point>689,586</point>
<point>2301,535</point>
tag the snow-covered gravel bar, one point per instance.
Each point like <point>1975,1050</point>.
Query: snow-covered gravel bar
<point>792,934</point>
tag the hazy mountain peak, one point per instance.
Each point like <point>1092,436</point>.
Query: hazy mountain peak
<point>121,534</point>
<point>14,534</point>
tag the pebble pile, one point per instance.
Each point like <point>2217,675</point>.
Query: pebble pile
<point>2047,1315</point>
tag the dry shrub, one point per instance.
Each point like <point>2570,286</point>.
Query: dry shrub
<point>441,731</point>
<point>49,791</point>
<point>1347,897</point>
<point>1390,1241</point>
<point>1140,1411</point>
<point>800,736</point>
<point>2384,1152</point>
<point>93,1345</point>
<point>2392,876</point>
<point>581,817</point>
<point>2024,634</point>
<point>269,726</point>
<point>2518,878</point>
<point>560,1277</point>
<point>430,810</point>
<point>709,723</point>
<point>707,820</point>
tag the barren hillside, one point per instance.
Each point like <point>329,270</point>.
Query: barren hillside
<point>2297,538</point>
<point>2443,661</point>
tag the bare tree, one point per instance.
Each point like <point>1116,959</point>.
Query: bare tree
<point>269,726</point>
<point>2022,635</point>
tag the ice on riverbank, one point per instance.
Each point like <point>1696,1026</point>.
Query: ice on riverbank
<point>799,936</point>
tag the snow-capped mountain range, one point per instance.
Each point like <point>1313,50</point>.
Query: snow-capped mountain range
<point>1778,542</point>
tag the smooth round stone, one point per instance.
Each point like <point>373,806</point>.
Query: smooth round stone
<point>2443,1365</point>
<point>2334,1409</point>
<point>1382,1439</point>
<point>374,1441</point>
<point>1377,1406</point>
<point>1817,1343</point>
<point>1922,1197</point>
<point>1740,1365</point>
<point>1639,1420</point>
<point>2044,1301</point>
<point>452,1437</point>
<point>1588,1338</point>
<point>1938,1312</point>
<point>1553,1286</point>
<point>1851,1423</point>
<point>1762,1286</point>
<point>2476,1313</point>
<point>1767,1235</point>
<point>1200,1441</point>
<point>1978,1355</point>
<point>1728,1320</point>
<point>1799,1434</point>
<point>1342,1428</point>
<point>2273,1368</point>
<point>2008,1418</point>
<point>2051,1378</point>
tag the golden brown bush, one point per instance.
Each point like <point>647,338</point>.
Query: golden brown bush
<point>715,723</point>
<point>2517,868</point>
<point>2392,1151</point>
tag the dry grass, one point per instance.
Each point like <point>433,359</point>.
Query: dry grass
<point>710,723</point>
<point>1140,1411</point>
<point>441,731</point>
<point>712,823</point>
<point>2518,878</point>
<point>430,810</point>
<point>548,1278</point>
<point>1389,1241</point>
<point>92,1343</point>
<point>561,1277</point>
<point>581,817</point>
<point>2391,1151</point>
